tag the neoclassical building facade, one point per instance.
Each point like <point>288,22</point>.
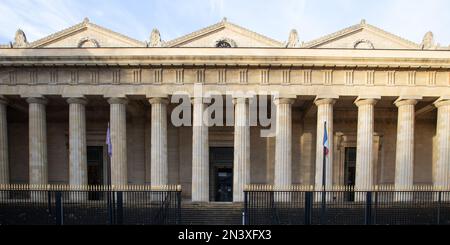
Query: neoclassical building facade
<point>386,101</point>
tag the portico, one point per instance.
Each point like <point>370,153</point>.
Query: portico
<point>387,114</point>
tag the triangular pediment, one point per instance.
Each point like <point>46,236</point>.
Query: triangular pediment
<point>362,36</point>
<point>86,34</point>
<point>233,34</point>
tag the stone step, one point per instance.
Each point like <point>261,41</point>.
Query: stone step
<point>211,213</point>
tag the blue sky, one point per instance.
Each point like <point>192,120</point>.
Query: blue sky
<point>274,18</point>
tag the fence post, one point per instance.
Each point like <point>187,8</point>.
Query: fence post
<point>49,201</point>
<point>308,207</point>
<point>439,208</point>
<point>59,209</point>
<point>178,207</point>
<point>119,207</point>
<point>245,207</point>
<point>368,219</point>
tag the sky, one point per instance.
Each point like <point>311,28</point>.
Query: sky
<point>410,19</point>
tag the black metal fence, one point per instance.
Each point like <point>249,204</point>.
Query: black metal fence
<point>135,205</point>
<point>347,207</point>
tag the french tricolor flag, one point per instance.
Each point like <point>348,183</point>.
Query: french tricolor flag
<point>325,140</point>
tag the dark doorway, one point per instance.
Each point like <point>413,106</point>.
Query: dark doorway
<point>221,178</point>
<point>95,169</point>
<point>350,170</point>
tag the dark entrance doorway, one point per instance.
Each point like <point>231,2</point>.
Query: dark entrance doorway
<point>221,174</point>
<point>350,170</point>
<point>95,169</point>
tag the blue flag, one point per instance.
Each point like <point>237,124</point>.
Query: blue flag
<point>108,141</point>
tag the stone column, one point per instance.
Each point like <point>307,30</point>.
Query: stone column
<point>77,146</point>
<point>200,153</point>
<point>241,168</point>
<point>442,167</point>
<point>118,131</point>
<point>324,114</point>
<point>364,146</point>
<point>283,147</point>
<point>38,173</point>
<point>4,159</point>
<point>404,153</point>
<point>159,166</point>
<point>77,142</point>
<point>283,142</point>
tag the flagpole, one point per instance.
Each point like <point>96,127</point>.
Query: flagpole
<point>324,166</point>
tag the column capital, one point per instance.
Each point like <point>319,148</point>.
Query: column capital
<point>3,100</point>
<point>77,100</point>
<point>240,100</point>
<point>118,100</point>
<point>441,102</point>
<point>323,101</point>
<point>37,100</point>
<point>284,100</point>
<point>401,102</point>
<point>199,100</point>
<point>365,101</point>
<point>158,100</point>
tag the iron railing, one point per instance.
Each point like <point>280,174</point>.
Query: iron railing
<point>345,206</point>
<point>90,205</point>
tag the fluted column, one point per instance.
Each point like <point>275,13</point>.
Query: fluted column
<point>118,130</point>
<point>324,114</point>
<point>404,154</point>
<point>77,142</point>
<point>200,153</point>
<point>364,146</point>
<point>4,159</point>
<point>159,166</point>
<point>283,142</point>
<point>241,168</point>
<point>442,167</point>
<point>38,165</point>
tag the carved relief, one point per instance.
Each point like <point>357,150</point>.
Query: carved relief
<point>412,78</point>
<point>243,76</point>
<point>428,41</point>
<point>286,77</point>
<point>33,77</point>
<point>20,40</point>
<point>74,77</point>
<point>265,76</point>
<point>155,39</point>
<point>158,76</point>
<point>200,76</point>
<point>390,78</point>
<point>179,76</point>
<point>293,41</point>
<point>328,77</point>
<point>13,77</point>
<point>222,76</point>
<point>363,44</point>
<point>87,42</point>
<point>137,76</point>
<point>54,76</point>
<point>307,77</point>
<point>349,77</point>
<point>432,78</point>
<point>370,77</point>
<point>116,76</point>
